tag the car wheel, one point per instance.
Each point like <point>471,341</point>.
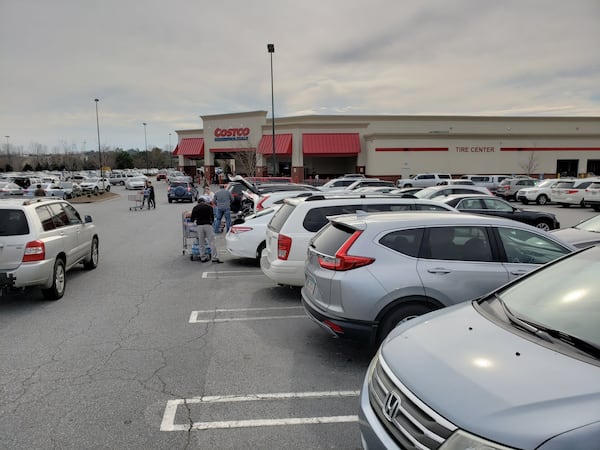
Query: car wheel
<point>401,314</point>
<point>170,200</point>
<point>543,225</point>
<point>259,251</point>
<point>596,208</point>
<point>92,262</point>
<point>107,188</point>
<point>59,281</point>
<point>96,189</point>
<point>541,200</point>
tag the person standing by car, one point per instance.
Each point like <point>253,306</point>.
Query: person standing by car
<point>223,200</point>
<point>151,198</point>
<point>202,215</point>
<point>39,192</point>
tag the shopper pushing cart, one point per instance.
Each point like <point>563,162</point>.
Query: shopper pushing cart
<point>203,216</point>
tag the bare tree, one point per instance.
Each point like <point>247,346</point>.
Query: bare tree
<point>530,165</point>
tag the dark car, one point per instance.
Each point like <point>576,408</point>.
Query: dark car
<point>183,191</point>
<point>492,206</point>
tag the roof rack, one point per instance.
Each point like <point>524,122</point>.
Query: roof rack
<point>325,196</point>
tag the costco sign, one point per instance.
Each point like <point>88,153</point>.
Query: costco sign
<point>232,134</point>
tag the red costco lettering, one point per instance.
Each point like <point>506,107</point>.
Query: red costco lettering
<point>220,132</point>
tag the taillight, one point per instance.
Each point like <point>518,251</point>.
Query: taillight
<point>259,205</point>
<point>342,260</point>
<point>237,229</point>
<point>572,191</point>
<point>284,245</point>
<point>34,251</point>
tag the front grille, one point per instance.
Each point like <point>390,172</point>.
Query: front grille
<point>411,423</point>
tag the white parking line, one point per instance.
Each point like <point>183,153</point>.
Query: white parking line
<point>233,273</point>
<point>168,421</point>
<point>195,315</point>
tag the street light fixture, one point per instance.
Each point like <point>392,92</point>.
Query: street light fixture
<point>7,149</point>
<point>170,153</point>
<point>271,50</point>
<point>146,142</point>
<point>98,129</point>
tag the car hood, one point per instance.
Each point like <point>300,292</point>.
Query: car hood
<point>575,236</point>
<point>491,382</point>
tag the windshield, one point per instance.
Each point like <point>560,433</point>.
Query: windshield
<point>562,297</point>
<point>426,193</point>
<point>545,183</point>
<point>592,225</point>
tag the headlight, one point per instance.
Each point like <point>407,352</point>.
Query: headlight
<point>461,440</point>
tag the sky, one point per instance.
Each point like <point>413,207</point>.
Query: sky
<point>166,63</point>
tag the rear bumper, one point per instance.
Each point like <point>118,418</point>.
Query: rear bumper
<point>351,329</point>
<point>290,273</point>
<point>30,274</point>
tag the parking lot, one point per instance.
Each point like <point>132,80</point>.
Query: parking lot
<point>153,350</point>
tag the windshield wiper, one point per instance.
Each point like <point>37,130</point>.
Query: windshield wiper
<point>522,323</point>
<point>550,334</point>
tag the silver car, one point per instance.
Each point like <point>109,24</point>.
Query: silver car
<point>365,273</point>
<point>518,369</point>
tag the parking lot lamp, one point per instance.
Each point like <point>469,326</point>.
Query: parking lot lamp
<point>7,149</point>
<point>98,129</point>
<point>271,50</point>
<point>146,142</point>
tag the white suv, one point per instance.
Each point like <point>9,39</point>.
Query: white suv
<point>424,180</point>
<point>297,221</point>
<point>40,239</point>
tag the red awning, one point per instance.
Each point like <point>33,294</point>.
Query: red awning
<point>283,144</point>
<point>334,144</point>
<point>190,147</point>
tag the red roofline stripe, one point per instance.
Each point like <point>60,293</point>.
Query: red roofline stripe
<point>412,149</point>
<point>548,149</point>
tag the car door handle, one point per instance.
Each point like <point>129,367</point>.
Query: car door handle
<point>519,272</point>
<point>439,270</point>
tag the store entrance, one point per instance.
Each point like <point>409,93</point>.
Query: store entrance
<point>567,167</point>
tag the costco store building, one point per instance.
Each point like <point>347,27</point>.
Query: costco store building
<point>391,147</point>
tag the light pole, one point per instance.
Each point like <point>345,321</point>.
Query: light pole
<point>271,50</point>
<point>146,142</point>
<point>170,154</point>
<point>98,129</point>
<point>7,149</point>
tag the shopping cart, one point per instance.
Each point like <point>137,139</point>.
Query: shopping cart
<point>138,201</point>
<point>191,242</point>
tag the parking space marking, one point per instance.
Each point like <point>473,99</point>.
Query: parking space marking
<point>168,420</point>
<point>233,273</point>
<point>196,316</point>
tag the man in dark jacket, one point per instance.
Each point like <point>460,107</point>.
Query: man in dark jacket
<point>203,217</point>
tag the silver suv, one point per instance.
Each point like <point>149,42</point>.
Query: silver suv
<point>40,240</point>
<point>517,369</point>
<point>365,273</point>
<point>292,226</point>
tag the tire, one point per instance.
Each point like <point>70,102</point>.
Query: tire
<point>543,225</point>
<point>402,313</point>
<point>107,188</point>
<point>596,208</point>
<point>96,190</point>
<point>59,282</point>
<point>170,200</point>
<point>542,199</point>
<point>92,263</point>
<point>259,250</point>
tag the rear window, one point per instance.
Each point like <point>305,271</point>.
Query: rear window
<point>331,238</point>
<point>13,222</point>
<point>177,184</point>
<point>316,218</point>
<point>564,184</point>
<point>280,217</point>
<point>404,241</point>
<point>444,176</point>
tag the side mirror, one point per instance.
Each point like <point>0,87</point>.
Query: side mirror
<point>87,219</point>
